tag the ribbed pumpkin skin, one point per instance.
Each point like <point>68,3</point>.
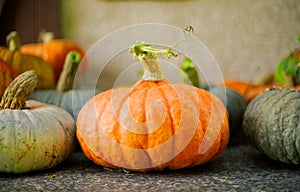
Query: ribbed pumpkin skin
<point>21,63</point>
<point>54,52</point>
<point>6,77</point>
<point>112,132</point>
<point>35,139</point>
<point>271,123</point>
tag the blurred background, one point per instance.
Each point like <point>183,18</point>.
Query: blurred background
<point>246,37</point>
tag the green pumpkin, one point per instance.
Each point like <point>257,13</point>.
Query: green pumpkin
<point>71,100</point>
<point>64,96</point>
<point>235,105</point>
<point>34,136</point>
<point>272,124</point>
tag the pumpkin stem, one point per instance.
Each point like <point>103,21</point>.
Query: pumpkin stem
<point>190,71</point>
<point>13,41</point>
<point>287,71</point>
<point>147,55</point>
<point>45,36</point>
<point>18,90</point>
<point>66,78</point>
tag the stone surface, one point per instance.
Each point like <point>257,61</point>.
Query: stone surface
<point>239,168</point>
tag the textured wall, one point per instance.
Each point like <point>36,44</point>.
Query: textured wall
<point>246,37</point>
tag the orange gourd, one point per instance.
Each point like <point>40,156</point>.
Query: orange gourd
<point>52,50</point>
<point>7,75</point>
<point>153,125</point>
<point>23,62</point>
<point>246,89</point>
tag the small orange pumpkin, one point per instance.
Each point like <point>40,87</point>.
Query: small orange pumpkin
<point>246,89</point>
<point>52,50</point>
<point>23,62</point>
<point>153,125</point>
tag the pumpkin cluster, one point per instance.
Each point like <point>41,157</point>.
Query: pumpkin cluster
<point>152,125</point>
<point>266,110</point>
<point>35,135</point>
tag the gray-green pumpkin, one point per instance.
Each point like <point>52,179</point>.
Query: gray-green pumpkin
<point>33,135</point>
<point>235,105</point>
<point>64,96</point>
<point>71,100</point>
<point>272,124</point>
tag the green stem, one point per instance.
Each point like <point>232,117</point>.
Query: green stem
<point>45,36</point>
<point>13,41</point>
<point>190,71</point>
<point>148,55</point>
<point>66,78</point>
<point>19,89</point>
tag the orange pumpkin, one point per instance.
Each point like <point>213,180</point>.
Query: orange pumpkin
<point>153,125</point>
<point>54,51</point>
<point>246,89</point>
<point>7,75</point>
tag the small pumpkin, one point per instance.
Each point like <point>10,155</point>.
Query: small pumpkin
<point>6,77</point>
<point>52,50</point>
<point>153,125</point>
<point>235,104</point>
<point>34,135</point>
<point>22,62</point>
<point>64,96</point>
<point>271,124</point>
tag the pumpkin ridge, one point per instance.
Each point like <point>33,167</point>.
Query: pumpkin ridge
<point>28,114</point>
<point>68,134</point>
<point>166,101</point>
<point>285,145</point>
<point>108,95</point>
<point>279,142</point>
<point>144,120</point>
<point>159,86</point>
<point>258,113</point>
<point>267,115</point>
<point>264,114</point>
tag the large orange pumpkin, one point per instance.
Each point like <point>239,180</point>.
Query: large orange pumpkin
<point>52,50</point>
<point>153,125</point>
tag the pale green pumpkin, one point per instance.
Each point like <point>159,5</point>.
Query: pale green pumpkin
<point>34,135</point>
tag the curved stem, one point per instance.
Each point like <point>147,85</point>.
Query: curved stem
<point>66,78</point>
<point>19,89</point>
<point>13,41</point>
<point>191,73</point>
<point>147,55</point>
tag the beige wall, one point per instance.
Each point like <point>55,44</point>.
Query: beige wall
<point>246,37</point>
